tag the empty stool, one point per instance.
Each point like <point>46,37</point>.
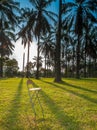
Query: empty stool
<point>34,95</point>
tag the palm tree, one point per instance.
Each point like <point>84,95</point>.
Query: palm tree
<point>35,61</point>
<point>40,24</point>
<point>73,45</point>
<point>25,34</point>
<point>58,46</point>
<point>91,47</point>
<point>7,21</point>
<point>47,48</point>
<point>93,34</point>
<point>8,13</point>
<point>37,24</point>
<point>77,14</point>
<point>6,48</point>
<point>26,39</point>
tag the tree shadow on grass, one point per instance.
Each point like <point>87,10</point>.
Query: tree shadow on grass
<point>64,120</point>
<point>78,87</point>
<point>3,79</point>
<point>12,120</point>
<point>73,92</point>
<point>91,79</point>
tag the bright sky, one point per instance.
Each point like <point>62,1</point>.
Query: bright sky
<point>19,49</point>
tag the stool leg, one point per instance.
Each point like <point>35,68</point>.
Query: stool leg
<point>40,105</point>
<point>34,98</point>
<point>32,104</point>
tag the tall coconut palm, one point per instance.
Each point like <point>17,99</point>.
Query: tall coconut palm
<point>39,22</point>
<point>77,14</point>
<point>26,38</point>
<point>8,19</point>
<point>6,48</point>
<point>6,45</point>
<point>25,34</point>
<point>93,34</point>
<point>91,48</point>
<point>47,48</point>
<point>58,46</point>
<point>35,61</point>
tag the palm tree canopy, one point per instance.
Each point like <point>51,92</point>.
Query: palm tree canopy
<point>47,45</point>
<point>38,18</point>
<point>78,13</point>
<point>8,9</point>
<point>6,45</point>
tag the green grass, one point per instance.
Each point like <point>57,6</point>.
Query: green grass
<point>70,105</point>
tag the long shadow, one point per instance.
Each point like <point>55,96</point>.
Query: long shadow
<point>91,79</point>
<point>65,121</point>
<point>73,92</point>
<point>12,117</point>
<point>3,79</point>
<point>78,87</point>
<point>74,86</point>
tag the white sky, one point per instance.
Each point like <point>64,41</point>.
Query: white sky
<point>19,50</point>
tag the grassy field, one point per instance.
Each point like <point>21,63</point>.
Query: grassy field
<point>70,105</point>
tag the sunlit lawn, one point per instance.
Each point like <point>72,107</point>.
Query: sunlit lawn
<point>70,105</point>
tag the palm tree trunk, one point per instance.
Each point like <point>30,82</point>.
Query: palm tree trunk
<point>27,75</point>
<point>58,48</point>
<point>66,72</point>
<point>85,65</point>
<point>89,67</point>
<point>37,71</point>
<point>1,67</point>
<point>1,64</point>
<point>23,63</point>
<point>78,59</point>
<point>45,67</point>
<point>73,68</point>
<point>86,38</point>
<point>95,67</point>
